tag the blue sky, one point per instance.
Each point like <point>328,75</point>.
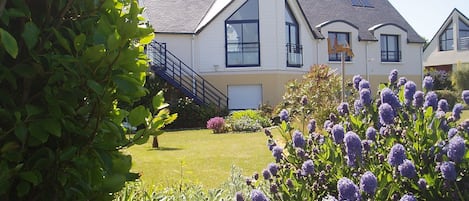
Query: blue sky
<point>427,16</point>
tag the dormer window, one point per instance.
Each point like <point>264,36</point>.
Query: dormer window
<point>242,36</point>
<point>446,38</point>
<point>463,36</point>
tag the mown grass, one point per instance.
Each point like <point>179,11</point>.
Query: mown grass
<point>198,156</point>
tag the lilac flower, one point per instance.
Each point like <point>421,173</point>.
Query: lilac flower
<point>277,153</point>
<point>443,105</point>
<point>239,196</point>
<point>457,110</point>
<point>422,183</point>
<point>343,109</point>
<point>431,100</point>
<point>371,133</point>
<point>356,81</point>
<point>387,96</point>
<point>386,114</point>
<point>397,155</point>
<point>366,144</point>
<point>328,124</point>
<point>365,97</point>
<point>311,126</point>
<point>257,195</point>
<point>300,153</point>
<point>266,174</point>
<point>409,90</point>
<point>304,100</point>
<point>448,171</point>
<point>307,168</point>
<point>338,133</point>
<point>332,117</point>
<point>456,149</point>
<point>368,183</point>
<point>274,188</point>
<point>298,139</point>
<point>273,169</point>
<point>284,115</point>
<point>418,99</point>
<point>358,106</point>
<point>452,132</point>
<point>407,169</point>
<point>465,96</point>
<point>347,189</point>
<point>290,183</point>
<point>407,197</point>
<point>427,83</point>
<point>364,84</point>
<point>393,76</point>
<point>353,147</point>
<point>402,81</point>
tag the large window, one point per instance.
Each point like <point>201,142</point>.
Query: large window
<point>339,38</point>
<point>294,49</point>
<point>446,38</point>
<point>463,36</point>
<point>390,50</point>
<point>242,36</point>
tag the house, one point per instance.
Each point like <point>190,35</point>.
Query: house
<point>450,45</point>
<point>249,49</point>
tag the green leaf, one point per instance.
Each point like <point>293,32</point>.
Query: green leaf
<point>147,39</point>
<point>79,42</point>
<point>138,115</point>
<point>37,131</point>
<point>94,53</point>
<point>113,183</point>
<point>22,188</point>
<point>96,87</point>
<point>31,176</point>
<point>157,101</point>
<point>9,43</point>
<point>52,126</point>
<point>21,132</point>
<point>30,34</point>
<point>32,110</point>
<point>62,40</point>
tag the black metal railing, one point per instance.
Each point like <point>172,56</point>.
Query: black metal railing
<point>180,75</point>
<point>391,56</point>
<point>294,55</point>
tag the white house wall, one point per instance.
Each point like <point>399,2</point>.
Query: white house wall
<point>178,44</point>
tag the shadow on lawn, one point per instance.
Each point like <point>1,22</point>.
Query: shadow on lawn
<point>165,149</point>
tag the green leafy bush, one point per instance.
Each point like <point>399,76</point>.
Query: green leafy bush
<point>405,144</point>
<point>441,79</point>
<point>66,68</point>
<point>451,96</point>
<point>460,77</point>
<point>247,120</point>
<point>321,87</point>
<point>192,115</point>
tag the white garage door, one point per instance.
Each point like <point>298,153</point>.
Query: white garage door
<point>244,97</point>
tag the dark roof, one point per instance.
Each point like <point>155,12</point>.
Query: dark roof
<point>321,12</point>
<point>175,16</point>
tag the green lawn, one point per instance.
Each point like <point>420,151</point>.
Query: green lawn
<point>200,156</point>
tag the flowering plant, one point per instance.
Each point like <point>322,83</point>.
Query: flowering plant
<point>405,144</point>
<point>217,124</point>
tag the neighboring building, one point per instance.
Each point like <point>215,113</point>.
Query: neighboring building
<point>450,45</point>
<point>249,49</point>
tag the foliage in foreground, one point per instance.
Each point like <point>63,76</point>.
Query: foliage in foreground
<point>405,145</point>
<point>66,67</point>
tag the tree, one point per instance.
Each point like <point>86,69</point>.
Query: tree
<point>66,66</point>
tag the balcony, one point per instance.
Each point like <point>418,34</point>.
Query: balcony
<point>294,55</point>
<point>391,56</point>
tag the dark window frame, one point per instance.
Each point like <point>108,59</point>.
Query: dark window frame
<point>463,31</point>
<point>446,38</point>
<point>386,52</point>
<point>337,56</point>
<point>292,47</point>
<point>242,44</point>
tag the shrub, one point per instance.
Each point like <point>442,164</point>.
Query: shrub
<point>451,96</point>
<point>247,120</point>
<point>74,63</point>
<point>217,124</point>
<point>460,77</point>
<point>192,115</point>
<point>321,88</point>
<point>389,148</point>
<point>441,79</point>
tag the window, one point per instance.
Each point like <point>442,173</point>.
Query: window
<point>339,38</point>
<point>294,49</point>
<point>390,50</point>
<point>362,3</point>
<point>446,38</point>
<point>242,36</point>
<point>463,36</point>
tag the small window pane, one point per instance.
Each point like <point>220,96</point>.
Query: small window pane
<point>249,11</point>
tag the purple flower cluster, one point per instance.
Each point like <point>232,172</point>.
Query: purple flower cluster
<point>456,149</point>
<point>452,132</point>
<point>217,124</point>
<point>298,140</point>
<point>401,81</point>
<point>368,183</point>
<point>304,100</point>
<point>407,169</point>
<point>307,168</point>
<point>343,109</point>
<point>257,195</point>
<point>448,171</point>
<point>364,84</point>
<point>311,126</point>
<point>370,133</point>
<point>338,133</point>
<point>465,96</point>
<point>284,115</point>
<point>393,76</point>
<point>356,81</point>
<point>427,83</point>
<point>457,110</point>
<point>239,196</point>
<point>418,99</point>
<point>277,153</point>
<point>358,106</point>
<point>353,147</point>
<point>422,183</point>
<point>266,174</point>
<point>443,105</point>
<point>387,96</point>
<point>347,189</point>
<point>386,114</point>
<point>397,155</point>
<point>409,90</point>
<point>408,197</point>
<point>273,169</point>
<point>365,97</point>
<point>431,100</point>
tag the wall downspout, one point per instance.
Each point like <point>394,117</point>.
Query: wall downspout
<point>317,51</point>
<point>366,61</point>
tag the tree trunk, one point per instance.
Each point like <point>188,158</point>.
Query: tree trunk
<point>155,142</point>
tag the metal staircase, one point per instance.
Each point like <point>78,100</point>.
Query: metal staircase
<point>177,73</point>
